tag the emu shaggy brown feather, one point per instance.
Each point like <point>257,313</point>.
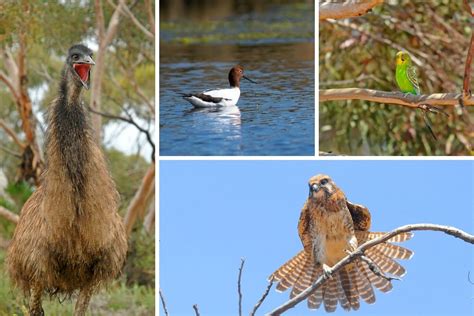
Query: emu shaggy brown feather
<point>70,237</point>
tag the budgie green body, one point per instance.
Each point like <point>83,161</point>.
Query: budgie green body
<point>405,74</point>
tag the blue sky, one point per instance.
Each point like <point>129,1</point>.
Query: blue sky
<point>212,213</point>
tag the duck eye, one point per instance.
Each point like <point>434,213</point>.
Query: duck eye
<point>324,181</point>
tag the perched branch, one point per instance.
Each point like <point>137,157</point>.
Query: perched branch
<point>360,252</point>
<point>348,9</point>
<point>196,310</point>
<point>408,100</point>
<point>130,121</point>
<point>10,216</point>
<point>264,296</point>
<point>239,290</point>
<point>466,90</point>
<point>163,303</point>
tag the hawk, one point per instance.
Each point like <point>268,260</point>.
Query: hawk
<point>329,227</point>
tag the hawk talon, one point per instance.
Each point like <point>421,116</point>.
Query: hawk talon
<point>327,271</point>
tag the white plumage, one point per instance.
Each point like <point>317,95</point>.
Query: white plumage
<point>220,97</point>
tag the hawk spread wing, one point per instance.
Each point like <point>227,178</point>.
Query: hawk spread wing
<point>328,221</point>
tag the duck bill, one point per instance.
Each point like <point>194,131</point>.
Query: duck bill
<point>247,78</point>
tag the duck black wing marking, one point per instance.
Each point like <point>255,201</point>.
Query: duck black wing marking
<point>204,97</point>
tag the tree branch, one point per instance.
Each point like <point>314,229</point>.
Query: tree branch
<point>130,121</point>
<point>408,100</point>
<point>141,200</point>
<point>12,134</point>
<point>163,303</point>
<point>264,296</point>
<point>239,290</point>
<point>348,9</point>
<point>467,70</point>
<point>10,216</point>
<point>455,232</point>
<point>196,310</point>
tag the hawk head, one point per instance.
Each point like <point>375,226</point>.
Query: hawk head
<point>321,187</point>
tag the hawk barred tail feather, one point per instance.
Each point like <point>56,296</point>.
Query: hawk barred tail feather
<point>355,280</point>
<point>351,282</point>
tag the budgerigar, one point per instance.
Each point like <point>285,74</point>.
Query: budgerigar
<point>406,74</point>
<point>407,81</point>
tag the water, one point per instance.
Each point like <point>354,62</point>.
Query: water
<point>274,117</point>
<point>274,41</point>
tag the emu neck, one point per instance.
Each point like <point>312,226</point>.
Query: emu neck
<point>68,141</point>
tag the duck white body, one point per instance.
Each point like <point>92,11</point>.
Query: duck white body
<point>220,97</point>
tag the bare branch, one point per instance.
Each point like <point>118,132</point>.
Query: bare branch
<point>468,8</point>
<point>11,152</point>
<point>467,70</point>
<point>348,9</point>
<point>196,310</point>
<point>239,289</point>
<point>9,83</point>
<point>264,296</point>
<point>151,15</point>
<point>163,303</point>
<point>10,216</point>
<point>130,121</point>
<point>360,252</point>
<point>125,10</point>
<point>408,100</point>
<point>12,134</point>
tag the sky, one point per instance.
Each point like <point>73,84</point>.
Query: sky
<point>213,213</point>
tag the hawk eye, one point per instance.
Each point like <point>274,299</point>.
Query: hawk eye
<point>324,181</point>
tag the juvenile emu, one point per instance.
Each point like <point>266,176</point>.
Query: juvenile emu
<point>70,237</point>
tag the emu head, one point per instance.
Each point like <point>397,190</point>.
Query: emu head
<point>79,62</point>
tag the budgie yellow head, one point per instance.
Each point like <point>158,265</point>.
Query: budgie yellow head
<point>403,58</point>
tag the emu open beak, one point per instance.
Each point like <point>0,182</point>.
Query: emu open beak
<point>83,70</point>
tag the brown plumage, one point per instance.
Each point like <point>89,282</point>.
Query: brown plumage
<point>70,237</point>
<point>329,226</point>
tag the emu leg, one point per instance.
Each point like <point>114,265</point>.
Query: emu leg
<point>83,301</point>
<point>35,301</point>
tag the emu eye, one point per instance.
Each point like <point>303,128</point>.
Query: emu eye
<point>75,56</point>
<point>324,181</point>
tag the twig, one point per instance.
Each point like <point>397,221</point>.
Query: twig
<point>468,8</point>
<point>469,277</point>
<point>264,296</point>
<point>348,9</point>
<point>8,215</point>
<point>11,152</point>
<point>11,133</point>
<point>239,290</point>
<point>467,70</point>
<point>360,251</point>
<point>163,303</point>
<point>408,100</point>
<point>373,267</point>
<point>196,310</point>
<point>130,121</point>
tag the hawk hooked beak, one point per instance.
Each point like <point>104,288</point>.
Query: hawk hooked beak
<point>313,188</point>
